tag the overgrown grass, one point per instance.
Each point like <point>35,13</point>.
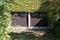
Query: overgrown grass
<point>29,36</point>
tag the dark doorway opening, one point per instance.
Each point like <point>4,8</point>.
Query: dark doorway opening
<point>39,19</point>
<point>21,19</point>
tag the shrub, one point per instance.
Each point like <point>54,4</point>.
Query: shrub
<point>4,23</point>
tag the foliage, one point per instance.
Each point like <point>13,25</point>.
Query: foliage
<point>24,5</point>
<point>54,16</point>
<point>24,36</point>
<point>4,23</point>
<point>53,10</point>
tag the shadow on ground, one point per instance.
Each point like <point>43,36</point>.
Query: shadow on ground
<point>30,36</point>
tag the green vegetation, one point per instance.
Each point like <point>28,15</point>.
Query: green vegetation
<point>25,36</point>
<point>52,8</point>
<point>54,18</point>
<point>4,22</point>
<point>24,5</point>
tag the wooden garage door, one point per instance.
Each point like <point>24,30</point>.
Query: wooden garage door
<point>19,19</point>
<point>39,19</point>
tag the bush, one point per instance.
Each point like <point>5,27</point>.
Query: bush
<point>4,24</point>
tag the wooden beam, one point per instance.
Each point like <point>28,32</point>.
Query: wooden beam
<point>29,20</point>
